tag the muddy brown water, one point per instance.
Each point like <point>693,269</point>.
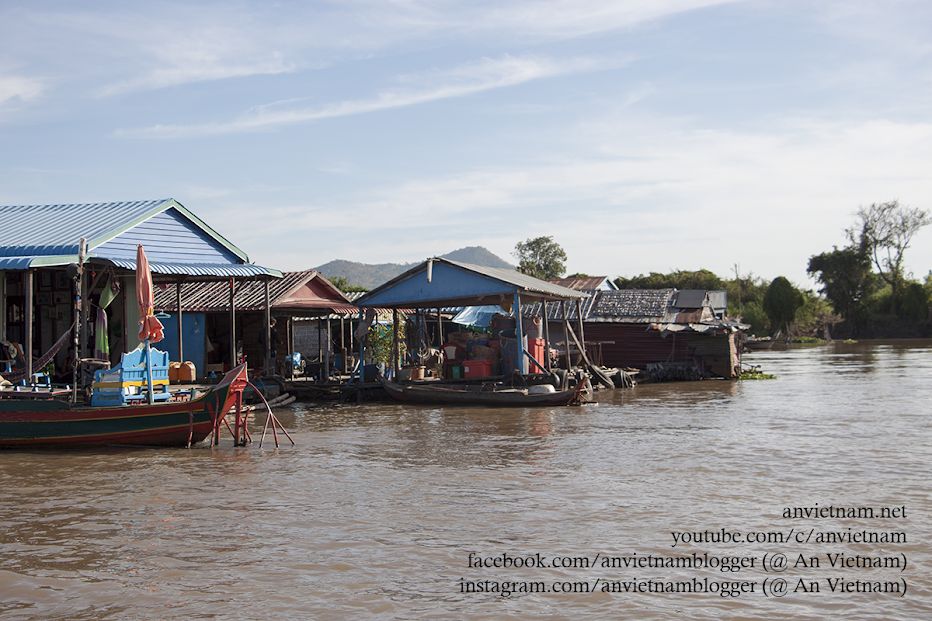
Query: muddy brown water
<point>386,511</point>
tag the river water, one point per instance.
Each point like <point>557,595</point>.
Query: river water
<point>384,511</point>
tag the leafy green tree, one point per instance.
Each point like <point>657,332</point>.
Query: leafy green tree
<point>885,231</point>
<point>541,257</point>
<point>915,305</point>
<point>781,302</point>
<point>847,281</point>
<point>341,283</point>
<point>678,279</point>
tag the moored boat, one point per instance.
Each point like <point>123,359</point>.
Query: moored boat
<point>34,419</point>
<point>755,344</point>
<point>496,396</point>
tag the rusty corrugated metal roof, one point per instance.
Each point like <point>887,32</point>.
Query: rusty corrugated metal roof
<point>284,294</point>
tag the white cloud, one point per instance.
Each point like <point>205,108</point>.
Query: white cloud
<point>466,79</point>
<point>669,198</point>
<point>16,89</point>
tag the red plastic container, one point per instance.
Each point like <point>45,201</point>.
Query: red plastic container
<point>478,368</point>
<point>536,347</point>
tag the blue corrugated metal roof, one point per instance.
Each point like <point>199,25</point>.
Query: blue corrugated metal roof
<point>176,240</point>
<point>453,282</point>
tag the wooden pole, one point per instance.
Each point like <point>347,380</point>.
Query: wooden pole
<point>233,361</point>
<point>28,325</point>
<point>395,349</point>
<point>290,340</point>
<point>180,323</point>
<point>519,332</point>
<point>268,330</point>
<point>343,361</point>
<point>543,314</point>
<point>566,335</point>
<point>582,336</point>
<point>327,352</point>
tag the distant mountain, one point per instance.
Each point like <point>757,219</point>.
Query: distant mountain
<point>371,276</point>
<point>477,255</point>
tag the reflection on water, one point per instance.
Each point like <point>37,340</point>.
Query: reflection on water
<point>375,512</point>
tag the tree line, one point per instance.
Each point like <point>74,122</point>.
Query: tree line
<point>865,289</point>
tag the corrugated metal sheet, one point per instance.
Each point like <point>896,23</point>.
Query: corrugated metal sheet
<point>555,309</point>
<point>636,345</point>
<point>632,305</point>
<point>588,283</point>
<point>232,270</point>
<point>690,298</point>
<point>177,242</point>
<point>454,283</point>
<point>250,296</point>
<point>36,230</point>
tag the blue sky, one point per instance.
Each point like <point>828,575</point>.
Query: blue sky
<point>642,135</point>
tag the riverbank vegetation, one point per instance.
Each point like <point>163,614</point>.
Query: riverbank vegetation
<point>865,289</point>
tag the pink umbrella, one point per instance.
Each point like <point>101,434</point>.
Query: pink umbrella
<point>150,328</point>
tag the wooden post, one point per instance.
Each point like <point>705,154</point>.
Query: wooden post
<point>327,352</point>
<point>543,314</point>
<point>519,332</point>
<point>3,335</point>
<point>268,330</point>
<point>233,361</point>
<point>343,361</point>
<point>439,329</point>
<point>582,336</point>
<point>362,363</point>
<point>27,341</point>
<point>180,323</point>
<point>396,351</point>
<point>290,340</point>
<point>566,335</point>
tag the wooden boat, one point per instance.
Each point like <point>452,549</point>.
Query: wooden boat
<point>495,396</point>
<point>758,344</point>
<point>37,419</point>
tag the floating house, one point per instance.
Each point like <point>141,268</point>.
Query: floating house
<point>680,333</point>
<point>440,283</point>
<point>52,256</point>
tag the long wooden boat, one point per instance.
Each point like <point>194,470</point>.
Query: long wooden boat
<point>484,395</point>
<point>27,420</point>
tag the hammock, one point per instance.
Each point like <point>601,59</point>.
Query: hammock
<point>38,365</point>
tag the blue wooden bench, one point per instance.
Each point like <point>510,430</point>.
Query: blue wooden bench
<point>127,383</point>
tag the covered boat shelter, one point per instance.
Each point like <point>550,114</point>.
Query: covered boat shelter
<point>437,283</point>
<point>73,265</point>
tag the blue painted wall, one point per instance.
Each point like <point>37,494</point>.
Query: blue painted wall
<point>194,325</point>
